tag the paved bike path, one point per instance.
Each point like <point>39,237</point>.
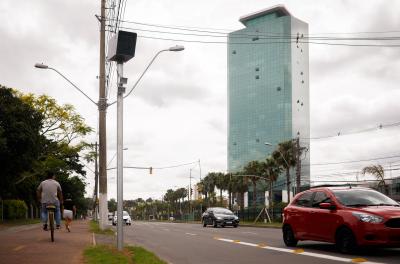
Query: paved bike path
<point>30,244</point>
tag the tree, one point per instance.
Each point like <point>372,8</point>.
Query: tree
<point>240,186</point>
<point>271,174</point>
<point>112,205</point>
<point>379,173</point>
<point>285,156</point>
<point>220,183</point>
<point>254,169</point>
<point>20,140</point>
<point>61,123</point>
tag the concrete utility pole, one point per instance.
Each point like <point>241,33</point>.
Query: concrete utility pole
<point>298,165</point>
<point>96,184</point>
<point>102,125</point>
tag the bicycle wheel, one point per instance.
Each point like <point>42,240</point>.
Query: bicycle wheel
<point>51,221</point>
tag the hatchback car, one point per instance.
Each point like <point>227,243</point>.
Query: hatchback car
<point>347,216</point>
<point>125,216</point>
<point>219,216</point>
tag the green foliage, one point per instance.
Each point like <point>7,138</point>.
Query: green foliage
<point>20,140</point>
<point>14,209</point>
<point>105,255</point>
<point>61,122</point>
<point>112,205</point>
<point>110,255</point>
<point>94,228</point>
<point>143,256</point>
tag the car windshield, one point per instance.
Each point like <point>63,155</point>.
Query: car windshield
<point>222,211</point>
<point>126,213</point>
<point>363,197</point>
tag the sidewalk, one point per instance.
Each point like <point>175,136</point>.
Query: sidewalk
<point>30,244</point>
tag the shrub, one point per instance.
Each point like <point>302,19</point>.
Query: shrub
<point>14,209</point>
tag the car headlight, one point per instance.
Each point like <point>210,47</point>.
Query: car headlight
<point>235,217</point>
<point>367,218</point>
<point>219,217</point>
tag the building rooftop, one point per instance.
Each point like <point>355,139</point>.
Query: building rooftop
<point>280,9</point>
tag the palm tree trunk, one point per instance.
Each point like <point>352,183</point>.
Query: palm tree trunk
<point>254,195</point>
<point>288,183</point>
<point>230,199</point>
<point>271,206</point>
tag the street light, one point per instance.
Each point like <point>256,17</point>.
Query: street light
<point>115,154</point>
<point>272,145</point>
<point>120,125</point>
<point>46,67</point>
<point>102,105</point>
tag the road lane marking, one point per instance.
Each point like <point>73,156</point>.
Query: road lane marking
<point>300,251</point>
<point>191,234</point>
<point>262,245</point>
<point>359,260</point>
<point>19,247</point>
<point>252,233</point>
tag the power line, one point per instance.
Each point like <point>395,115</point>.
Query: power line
<point>218,31</point>
<point>381,126</point>
<point>352,161</point>
<point>157,168</point>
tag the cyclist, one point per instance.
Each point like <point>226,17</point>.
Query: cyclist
<point>49,192</point>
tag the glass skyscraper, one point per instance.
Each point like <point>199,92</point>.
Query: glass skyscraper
<point>268,87</point>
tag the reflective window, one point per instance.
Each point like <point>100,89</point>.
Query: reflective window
<point>304,200</point>
<point>320,197</point>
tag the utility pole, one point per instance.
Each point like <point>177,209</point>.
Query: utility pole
<point>102,125</point>
<point>96,184</point>
<point>298,165</point>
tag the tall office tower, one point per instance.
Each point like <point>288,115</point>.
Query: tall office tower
<point>268,88</point>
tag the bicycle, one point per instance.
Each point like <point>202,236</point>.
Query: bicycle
<point>51,209</point>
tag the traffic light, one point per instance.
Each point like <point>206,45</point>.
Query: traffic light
<point>151,170</point>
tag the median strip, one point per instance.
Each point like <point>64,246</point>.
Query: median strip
<point>299,251</point>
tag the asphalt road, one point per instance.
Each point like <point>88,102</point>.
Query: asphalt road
<point>191,243</point>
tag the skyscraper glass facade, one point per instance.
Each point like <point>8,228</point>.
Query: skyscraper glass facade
<point>268,90</point>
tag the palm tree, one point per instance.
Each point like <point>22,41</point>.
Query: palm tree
<point>219,183</point>
<point>240,186</point>
<point>379,173</point>
<point>286,158</point>
<point>209,186</point>
<point>254,170</point>
<point>271,174</point>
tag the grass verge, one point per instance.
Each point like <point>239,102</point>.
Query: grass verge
<point>109,255</point>
<point>18,222</point>
<point>261,224</point>
<point>94,227</point>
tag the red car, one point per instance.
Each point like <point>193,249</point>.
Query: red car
<point>347,216</point>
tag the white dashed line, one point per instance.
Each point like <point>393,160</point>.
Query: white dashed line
<point>300,252</point>
<point>191,234</point>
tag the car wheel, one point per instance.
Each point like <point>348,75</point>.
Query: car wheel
<point>204,223</point>
<point>215,224</point>
<point>223,225</point>
<point>288,236</point>
<point>235,226</point>
<point>345,241</point>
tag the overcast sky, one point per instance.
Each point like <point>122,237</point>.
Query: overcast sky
<point>178,112</point>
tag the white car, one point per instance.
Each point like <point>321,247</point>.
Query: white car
<point>125,216</point>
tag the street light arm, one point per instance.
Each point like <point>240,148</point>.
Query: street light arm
<point>76,87</point>
<point>283,157</point>
<point>141,76</point>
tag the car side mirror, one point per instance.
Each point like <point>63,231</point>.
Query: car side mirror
<point>328,206</point>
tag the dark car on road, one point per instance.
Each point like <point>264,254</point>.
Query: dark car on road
<point>347,216</point>
<point>218,216</point>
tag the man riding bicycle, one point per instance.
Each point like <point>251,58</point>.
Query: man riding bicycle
<point>49,192</point>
